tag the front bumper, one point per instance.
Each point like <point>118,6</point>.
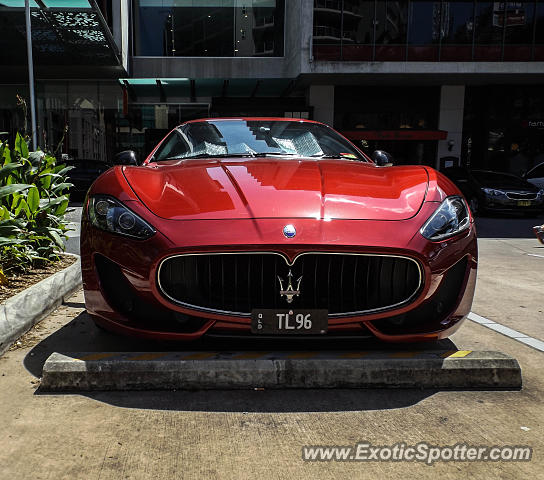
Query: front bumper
<point>121,293</point>
<point>504,204</point>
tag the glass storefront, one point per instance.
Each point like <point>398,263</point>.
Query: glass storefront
<point>504,128</point>
<point>94,120</point>
<point>427,30</point>
<point>401,116</point>
<point>90,120</point>
<point>12,117</point>
<point>89,112</point>
<point>214,28</point>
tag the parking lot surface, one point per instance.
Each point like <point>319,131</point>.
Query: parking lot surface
<point>261,433</point>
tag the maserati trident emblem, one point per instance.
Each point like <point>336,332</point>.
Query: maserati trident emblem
<point>289,293</point>
<point>289,231</point>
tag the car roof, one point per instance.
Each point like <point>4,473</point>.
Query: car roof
<point>505,174</point>
<point>254,119</point>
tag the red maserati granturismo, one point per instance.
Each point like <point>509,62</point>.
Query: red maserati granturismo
<point>267,227</point>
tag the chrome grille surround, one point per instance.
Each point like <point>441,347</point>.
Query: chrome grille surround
<point>521,195</point>
<point>409,298</point>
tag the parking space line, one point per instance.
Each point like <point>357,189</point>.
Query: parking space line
<point>532,342</point>
<point>457,354</point>
<point>478,319</point>
<point>507,331</point>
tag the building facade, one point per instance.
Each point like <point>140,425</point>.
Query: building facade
<point>433,82</point>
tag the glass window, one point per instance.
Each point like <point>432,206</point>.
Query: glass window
<point>540,23</point>
<point>358,21</point>
<point>173,146</point>
<point>498,180</point>
<point>384,108</point>
<point>257,137</point>
<point>458,22</point>
<point>217,28</point>
<point>424,30</point>
<point>424,22</point>
<point>391,28</point>
<point>327,35</point>
<point>539,34</point>
<point>457,31</point>
<point>489,31</point>
<point>537,172</point>
<point>519,17</point>
<point>519,22</point>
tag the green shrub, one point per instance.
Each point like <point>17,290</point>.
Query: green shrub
<point>33,201</point>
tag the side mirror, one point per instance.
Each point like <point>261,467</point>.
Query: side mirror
<point>127,157</point>
<point>382,158</point>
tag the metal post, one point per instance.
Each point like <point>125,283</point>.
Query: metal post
<point>31,75</point>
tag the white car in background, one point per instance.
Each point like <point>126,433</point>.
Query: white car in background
<point>536,176</point>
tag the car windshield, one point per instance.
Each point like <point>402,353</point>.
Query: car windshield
<point>500,180</point>
<point>224,138</point>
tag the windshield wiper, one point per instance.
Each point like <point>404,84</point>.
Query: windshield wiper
<point>281,154</point>
<point>213,155</point>
<point>237,154</point>
<point>337,155</point>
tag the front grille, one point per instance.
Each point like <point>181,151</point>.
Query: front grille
<point>240,282</point>
<point>521,196</point>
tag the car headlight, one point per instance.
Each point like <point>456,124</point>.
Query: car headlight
<point>450,218</point>
<point>108,213</point>
<point>493,193</point>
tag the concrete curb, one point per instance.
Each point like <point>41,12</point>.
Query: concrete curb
<point>20,312</point>
<point>243,370</point>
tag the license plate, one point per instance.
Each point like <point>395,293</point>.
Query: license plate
<point>289,322</point>
<point>524,203</point>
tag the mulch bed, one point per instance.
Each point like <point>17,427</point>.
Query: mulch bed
<point>18,281</point>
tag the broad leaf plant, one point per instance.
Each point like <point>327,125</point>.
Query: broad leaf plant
<point>33,202</point>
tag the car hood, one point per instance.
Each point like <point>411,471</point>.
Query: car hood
<point>278,188</point>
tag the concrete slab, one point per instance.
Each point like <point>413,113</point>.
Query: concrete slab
<point>461,369</point>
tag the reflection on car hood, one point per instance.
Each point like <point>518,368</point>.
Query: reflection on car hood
<point>278,188</point>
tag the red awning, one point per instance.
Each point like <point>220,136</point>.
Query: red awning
<point>402,134</point>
